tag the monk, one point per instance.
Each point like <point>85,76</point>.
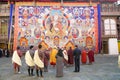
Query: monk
<point>16,60</point>
<point>52,56</point>
<point>84,57</point>
<point>70,56</point>
<point>29,60</point>
<point>91,56</point>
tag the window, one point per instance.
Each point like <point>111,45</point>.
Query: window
<point>110,27</point>
<point>111,6</point>
<point>4,26</point>
<point>4,9</point>
<point>104,7</point>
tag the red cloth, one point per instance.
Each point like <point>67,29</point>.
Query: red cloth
<point>91,56</point>
<point>84,57</point>
<point>52,63</point>
<point>70,56</point>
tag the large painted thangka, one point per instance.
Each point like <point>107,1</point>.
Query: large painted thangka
<point>56,25</point>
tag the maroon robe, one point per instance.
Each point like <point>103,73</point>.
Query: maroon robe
<point>70,56</point>
<point>91,56</point>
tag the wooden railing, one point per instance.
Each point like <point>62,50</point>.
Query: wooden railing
<point>4,38</point>
<point>110,9</point>
<point>110,13</point>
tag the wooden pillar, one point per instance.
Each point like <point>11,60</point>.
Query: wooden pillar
<point>0,28</point>
<point>90,2</point>
<point>34,2</point>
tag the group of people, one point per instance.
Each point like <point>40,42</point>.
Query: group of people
<point>33,58</point>
<point>58,57</point>
<point>4,52</point>
<point>87,54</point>
<point>1,53</point>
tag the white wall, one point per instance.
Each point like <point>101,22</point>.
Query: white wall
<point>113,46</point>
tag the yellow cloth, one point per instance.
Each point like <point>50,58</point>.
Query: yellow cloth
<point>16,58</point>
<point>37,60</point>
<point>28,59</point>
<point>52,56</point>
<point>119,61</point>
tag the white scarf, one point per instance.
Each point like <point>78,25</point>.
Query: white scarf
<point>37,60</point>
<point>28,59</point>
<point>16,58</point>
<point>65,55</point>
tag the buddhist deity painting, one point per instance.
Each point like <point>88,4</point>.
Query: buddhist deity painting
<point>57,26</point>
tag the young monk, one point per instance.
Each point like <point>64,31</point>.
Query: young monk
<point>84,56</point>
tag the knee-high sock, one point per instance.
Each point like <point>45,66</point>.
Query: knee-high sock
<point>18,69</point>
<point>29,71</point>
<point>41,72</point>
<point>37,72</point>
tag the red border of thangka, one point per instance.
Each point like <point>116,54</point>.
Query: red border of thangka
<point>96,28</point>
<point>16,28</point>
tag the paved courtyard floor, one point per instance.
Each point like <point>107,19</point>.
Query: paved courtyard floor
<point>104,68</point>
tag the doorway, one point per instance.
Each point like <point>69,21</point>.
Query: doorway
<point>105,47</point>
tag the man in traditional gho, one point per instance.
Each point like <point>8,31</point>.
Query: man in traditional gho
<point>70,56</point>
<point>46,59</point>
<point>16,60</point>
<point>76,54</point>
<point>52,56</point>
<point>39,61</point>
<point>29,60</point>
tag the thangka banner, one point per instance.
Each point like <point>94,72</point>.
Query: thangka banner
<point>56,25</point>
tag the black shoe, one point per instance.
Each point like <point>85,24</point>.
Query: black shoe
<point>32,75</point>
<point>74,71</point>
<point>42,76</point>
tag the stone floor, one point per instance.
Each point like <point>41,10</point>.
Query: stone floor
<point>104,68</point>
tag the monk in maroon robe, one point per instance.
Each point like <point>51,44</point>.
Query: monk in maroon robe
<point>70,56</point>
<point>91,56</point>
